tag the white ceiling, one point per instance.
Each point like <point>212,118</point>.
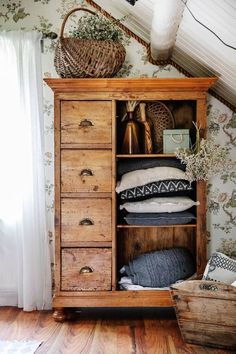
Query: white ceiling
<point>196,49</point>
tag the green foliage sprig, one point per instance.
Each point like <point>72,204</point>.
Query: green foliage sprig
<point>97,27</point>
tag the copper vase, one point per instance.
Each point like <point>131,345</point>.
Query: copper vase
<point>131,135</point>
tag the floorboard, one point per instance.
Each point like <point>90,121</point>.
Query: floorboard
<point>100,331</point>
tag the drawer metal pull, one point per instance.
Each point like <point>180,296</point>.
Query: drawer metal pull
<point>86,172</point>
<point>86,123</point>
<point>85,270</point>
<point>86,221</point>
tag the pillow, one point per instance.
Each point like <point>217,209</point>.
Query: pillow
<point>163,188</point>
<point>129,165</point>
<point>154,219</point>
<point>160,205</point>
<point>220,268</point>
<point>161,268</point>
<point>141,177</point>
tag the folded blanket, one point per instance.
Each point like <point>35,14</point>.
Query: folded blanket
<point>161,268</point>
<point>183,217</point>
<point>125,283</point>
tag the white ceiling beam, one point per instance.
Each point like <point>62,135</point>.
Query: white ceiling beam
<point>166,19</point>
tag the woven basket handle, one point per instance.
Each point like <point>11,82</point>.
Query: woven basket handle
<point>69,13</point>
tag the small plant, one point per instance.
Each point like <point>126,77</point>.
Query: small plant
<point>97,27</point>
<point>205,160</point>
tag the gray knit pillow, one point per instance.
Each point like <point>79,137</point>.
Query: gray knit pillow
<point>161,268</point>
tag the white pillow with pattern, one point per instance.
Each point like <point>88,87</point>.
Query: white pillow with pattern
<point>140,177</point>
<point>220,268</point>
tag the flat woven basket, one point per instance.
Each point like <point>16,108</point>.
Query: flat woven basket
<point>75,57</point>
<point>160,118</point>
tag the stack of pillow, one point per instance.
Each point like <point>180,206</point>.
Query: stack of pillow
<point>155,192</point>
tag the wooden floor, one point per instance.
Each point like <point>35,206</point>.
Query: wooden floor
<point>100,331</point>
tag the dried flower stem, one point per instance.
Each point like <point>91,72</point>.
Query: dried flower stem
<point>130,105</point>
<point>205,160</point>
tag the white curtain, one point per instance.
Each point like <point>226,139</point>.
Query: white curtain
<point>25,276</point>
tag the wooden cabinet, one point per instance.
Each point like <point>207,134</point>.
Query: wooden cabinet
<point>92,241</point>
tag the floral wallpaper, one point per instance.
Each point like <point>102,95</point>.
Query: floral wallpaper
<point>46,16</point>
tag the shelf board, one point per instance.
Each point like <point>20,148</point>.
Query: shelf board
<point>152,226</point>
<point>144,155</point>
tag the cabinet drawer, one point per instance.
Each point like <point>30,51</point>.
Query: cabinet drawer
<point>86,122</point>
<point>85,219</point>
<point>86,171</point>
<point>86,269</point>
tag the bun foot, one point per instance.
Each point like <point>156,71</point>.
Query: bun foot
<point>59,315</point>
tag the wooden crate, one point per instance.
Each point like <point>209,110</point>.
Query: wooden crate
<point>206,313</point>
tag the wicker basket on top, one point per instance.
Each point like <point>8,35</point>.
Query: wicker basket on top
<point>75,57</point>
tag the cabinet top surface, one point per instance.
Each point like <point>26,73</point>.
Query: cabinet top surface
<point>131,84</point>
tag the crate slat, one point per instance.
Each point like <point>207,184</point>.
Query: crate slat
<point>206,313</point>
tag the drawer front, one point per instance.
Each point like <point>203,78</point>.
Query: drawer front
<point>86,122</point>
<point>85,171</point>
<point>86,269</point>
<point>85,219</point>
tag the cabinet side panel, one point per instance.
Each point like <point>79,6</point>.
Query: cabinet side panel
<point>201,196</point>
<point>57,178</point>
<point>113,211</point>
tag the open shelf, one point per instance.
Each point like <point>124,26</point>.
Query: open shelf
<point>143,155</point>
<point>153,226</point>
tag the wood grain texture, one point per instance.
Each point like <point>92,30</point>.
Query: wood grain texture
<point>74,260</point>
<point>136,241</point>
<point>85,195</point>
<point>87,146</point>
<point>77,100</point>
<point>74,162</point>
<point>85,219</point>
<point>213,335</point>
<point>201,196</point>
<point>144,155</point>
<point>140,298</point>
<point>135,95</point>
<point>57,191</point>
<point>132,84</point>
<point>85,122</point>
<point>95,244</point>
<point>202,288</point>
<point>114,202</point>
<point>206,312</point>
<point>153,331</point>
